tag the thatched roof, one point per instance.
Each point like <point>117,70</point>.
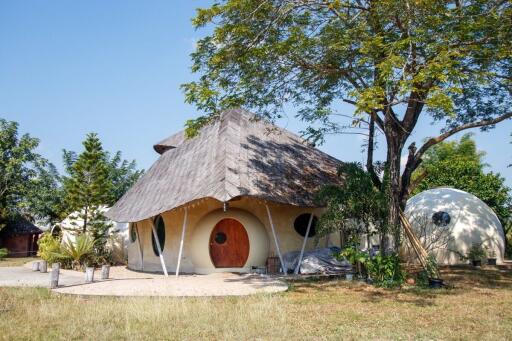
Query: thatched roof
<point>236,156</point>
<point>20,225</point>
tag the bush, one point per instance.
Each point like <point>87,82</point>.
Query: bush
<point>80,253</point>
<point>385,270</point>
<point>476,252</point>
<point>49,247</point>
<point>3,253</point>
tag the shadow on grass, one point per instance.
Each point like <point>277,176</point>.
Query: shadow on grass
<point>458,279</point>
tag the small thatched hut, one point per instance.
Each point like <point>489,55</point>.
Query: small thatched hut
<point>226,200</point>
<point>20,237</point>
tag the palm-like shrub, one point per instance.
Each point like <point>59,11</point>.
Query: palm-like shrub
<point>78,252</point>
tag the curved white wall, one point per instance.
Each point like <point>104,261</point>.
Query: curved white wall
<point>200,249</point>
<point>472,221</point>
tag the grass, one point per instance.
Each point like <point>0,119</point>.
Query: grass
<point>16,261</point>
<point>478,306</point>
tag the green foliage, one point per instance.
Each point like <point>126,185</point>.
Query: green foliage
<point>378,55</point>
<point>29,184</point>
<point>3,253</point>
<point>357,200</point>
<point>49,248</point>
<point>459,164</point>
<point>476,252</point>
<point>78,252</point>
<point>385,270</point>
<point>87,187</point>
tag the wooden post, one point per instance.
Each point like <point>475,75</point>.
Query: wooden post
<point>159,248</point>
<point>89,274</point>
<point>54,275</point>
<point>105,271</point>
<point>276,240</point>
<point>141,255</point>
<point>183,229</point>
<point>43,266</point>
<point>304,244</point>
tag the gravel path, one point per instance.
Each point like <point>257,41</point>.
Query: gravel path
<point>124,282</point>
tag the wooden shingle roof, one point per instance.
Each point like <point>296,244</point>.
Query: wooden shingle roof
<point>236,156</point>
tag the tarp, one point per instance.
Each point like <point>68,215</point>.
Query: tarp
<point>319,261</point>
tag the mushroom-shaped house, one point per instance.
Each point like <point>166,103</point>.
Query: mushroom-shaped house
<point>239,192</point>
<point>466,219</point>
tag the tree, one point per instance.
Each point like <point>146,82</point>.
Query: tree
<point>459,164</point>
<point>29,184</point>
<point>394,61</point>
<point>354,208</point>
<point>88,186</point>
<point>122,173</point>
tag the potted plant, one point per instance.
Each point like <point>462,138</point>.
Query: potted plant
<point>434,277</point>
<point>476,253</point>
<point>491,256</point>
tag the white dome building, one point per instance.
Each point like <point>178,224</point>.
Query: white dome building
<point>465,219</point>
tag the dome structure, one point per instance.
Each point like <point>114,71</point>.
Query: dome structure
<point>449,221</point>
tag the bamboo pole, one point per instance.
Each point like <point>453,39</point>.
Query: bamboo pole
<point>304,244</point>
<point>181,242</point>
<point>421,253</point>
<point>141,255</point>
<point>159,249</point>
<point>276,240</point>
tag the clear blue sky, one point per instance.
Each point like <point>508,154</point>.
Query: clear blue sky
<point>114,67</point>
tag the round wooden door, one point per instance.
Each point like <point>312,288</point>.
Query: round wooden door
<point>229,244</point>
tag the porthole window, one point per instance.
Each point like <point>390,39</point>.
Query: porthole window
<point>220,238</point>
<point>441,218</point>
<point>301,225</point>
<point>160,232</point>
<point>133,233</point>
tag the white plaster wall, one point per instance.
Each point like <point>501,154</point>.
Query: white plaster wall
<point>201,221</point>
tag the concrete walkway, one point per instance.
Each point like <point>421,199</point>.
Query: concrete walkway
<point>124,282</point>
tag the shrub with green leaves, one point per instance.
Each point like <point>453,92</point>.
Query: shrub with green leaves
<point>385,270</point>
<point>49,246</point>
<point>3,253</point>
<point>79,252</point>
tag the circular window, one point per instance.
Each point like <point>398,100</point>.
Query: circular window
<point>133,233</point>
<point>160,232</point>
<point>301,225</point>
<point>441,218</point>
<point>220,238</point>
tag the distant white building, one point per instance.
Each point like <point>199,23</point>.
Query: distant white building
<point>467,218</point>
<point>72,226</point>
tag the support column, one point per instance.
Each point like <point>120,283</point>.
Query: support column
<point>141,255</point>
<point>184,228</point>
<point>304,244</point>
<point>276,240</point>
<point>158,247</point>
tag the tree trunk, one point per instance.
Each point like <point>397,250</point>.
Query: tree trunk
<point>394,188</point>
<point>84,229</point>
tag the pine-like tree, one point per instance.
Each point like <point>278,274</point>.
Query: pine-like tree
<point>88,186</point>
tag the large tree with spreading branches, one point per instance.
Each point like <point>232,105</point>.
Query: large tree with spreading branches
<point>395,61</point>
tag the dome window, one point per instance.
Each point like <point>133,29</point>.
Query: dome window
<point>441,219</point>
<point>133,233</point>
<point>301,225</point>
<point>160,232</point>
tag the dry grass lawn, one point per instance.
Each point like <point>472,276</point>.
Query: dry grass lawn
<point>16,261</point>
<point>478,306</point>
